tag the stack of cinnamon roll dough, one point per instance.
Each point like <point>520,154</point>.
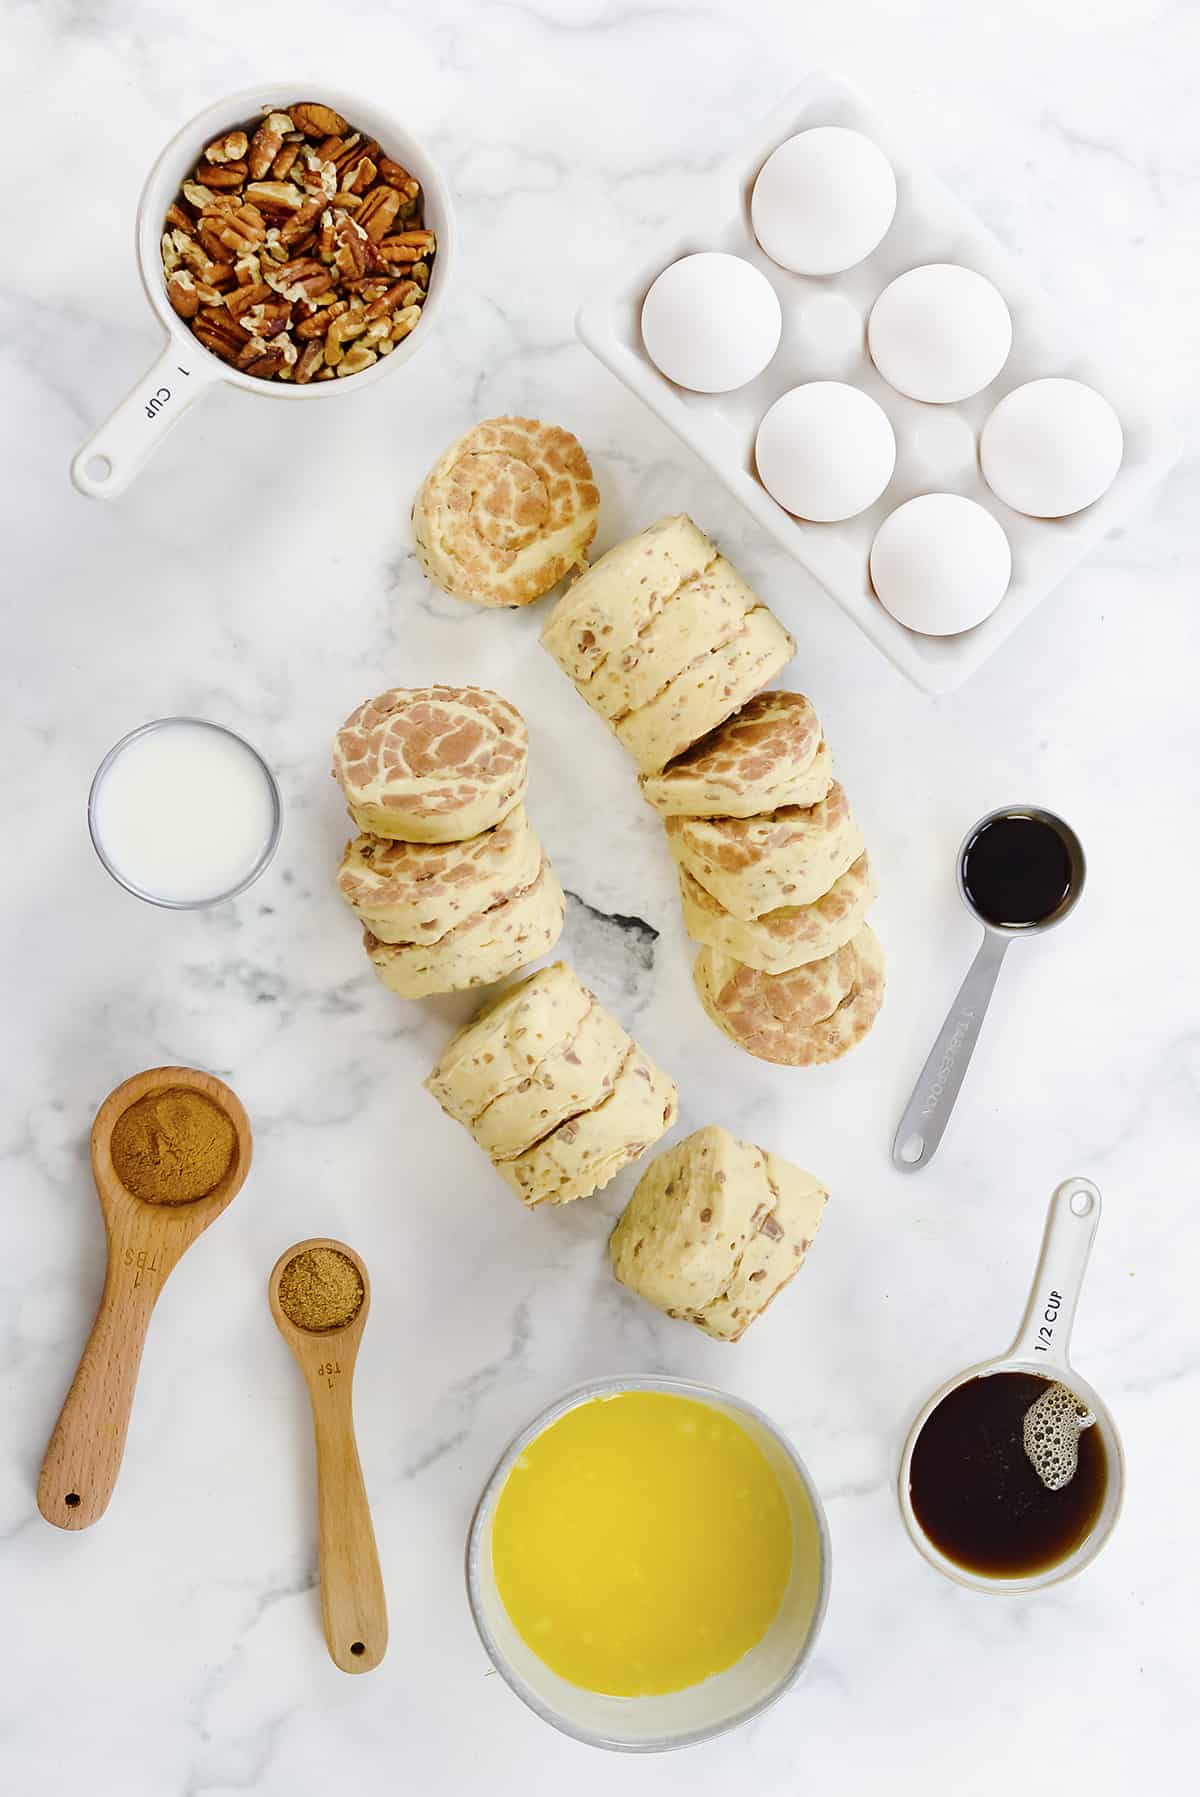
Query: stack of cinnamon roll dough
<point>667,642</point>
<point>553,1089</point>
<point>449,880</point>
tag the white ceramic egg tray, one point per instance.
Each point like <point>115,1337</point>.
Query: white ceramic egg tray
<point>824,338</point>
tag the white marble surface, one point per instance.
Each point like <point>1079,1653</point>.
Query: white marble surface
<point>264,576</point>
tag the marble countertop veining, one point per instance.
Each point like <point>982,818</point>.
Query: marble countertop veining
<point>264,576</point>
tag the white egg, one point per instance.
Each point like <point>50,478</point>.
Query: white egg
<point>825,451</point>
<point>711,322</point>
<point>1051,447</point>
<point>939,333</point>
<point>823,200</point>
<point>940,563</point>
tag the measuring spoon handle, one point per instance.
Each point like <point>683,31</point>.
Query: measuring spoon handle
<point>1045,1332</point>
<point>353,1605</point>
<point>928,1111</point>
<point>84,1453</point>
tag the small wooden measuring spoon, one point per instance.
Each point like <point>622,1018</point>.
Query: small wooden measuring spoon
<point>145,1241</point>
<point>353,1605</point>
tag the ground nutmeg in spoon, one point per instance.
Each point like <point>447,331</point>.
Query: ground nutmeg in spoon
<point>173,1146</point>
<point>320,1289</point>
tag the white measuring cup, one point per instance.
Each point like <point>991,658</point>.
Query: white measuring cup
<point>118,448</point>
<point>1042,1346</point>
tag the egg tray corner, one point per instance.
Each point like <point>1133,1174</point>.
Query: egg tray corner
<point>824,338</point>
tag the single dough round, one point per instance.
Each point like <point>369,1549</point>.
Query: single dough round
<point>790,937</point>
<point>770,753</point>
<point>507,1040</point>
<point>432,763</point>
<point>602,615</point>
<point>752,865</point>
<point>482,949</point>
<point>507,511</point>
<point>813,1014</point>
<point>417,891</point>
<point>575,1076</point>
<point>705,614</point>
<point>585,1152</point>
<point>715,1229</point>
<point>715,685</point>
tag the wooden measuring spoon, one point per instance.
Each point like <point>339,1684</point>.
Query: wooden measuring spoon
<point>145,1241</point>
<point>353,1605</point>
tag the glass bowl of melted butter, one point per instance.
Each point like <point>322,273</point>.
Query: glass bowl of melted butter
<point>649,1564</point>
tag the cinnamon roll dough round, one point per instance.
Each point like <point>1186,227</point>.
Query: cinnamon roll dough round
<point>714,1231</point>
<point>788,857</point>
<point>506,512</point>
<point>418,891</point>
<point>481,949</point>
<point>575,1076</point>
<point>602,615</point>
<point>713,686</point>
<point>509,1038</point>
<point>769,754</point>
<point>812,1014</point>
<point>433,763</point>
<point>790,937</point>
<point>586,1151</point>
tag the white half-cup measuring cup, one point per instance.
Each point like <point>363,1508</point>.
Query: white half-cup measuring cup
<point>679,1718</point>
<point>115,452</point>
<point>1042,1346</point>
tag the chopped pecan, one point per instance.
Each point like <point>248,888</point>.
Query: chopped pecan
<point>378,212</point>
<point>359,176</point>
<point>217,332</point>
<point>266,143</point>
<point>245,297</point>
<point>319,323</point>
<point>397,296</point>
<point>341,332</point>
<point>349,253</point>
<point>230,148</point>
<point>275,196</point>
<point>229,174</point>
<point>405,321</point>
<point>356,359</point>
<point>169,251</point>
<point>316,120</point>
<point>407,246</point>
<point>394,176</point>
<point>281,168</point>
<point>268,318</point>
<point>178,220</point>
<point>301,222</point>
<point>181,291</point>
<point>312,357</point>
<point>302,278</point>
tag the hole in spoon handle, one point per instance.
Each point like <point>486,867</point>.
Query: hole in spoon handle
<point>1044,1337</point>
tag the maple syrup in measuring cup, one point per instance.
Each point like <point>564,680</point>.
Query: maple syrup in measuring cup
<point>984,1499</point>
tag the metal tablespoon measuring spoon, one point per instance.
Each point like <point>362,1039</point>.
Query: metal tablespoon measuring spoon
<point>1020,872</point>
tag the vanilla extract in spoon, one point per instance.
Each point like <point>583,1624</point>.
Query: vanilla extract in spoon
<point>1016,871</point>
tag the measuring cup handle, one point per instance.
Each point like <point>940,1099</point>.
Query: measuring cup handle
<point>84,1453</point>
<point>928,1111</point>
<point>353,1605</point>
<point>1045,1332</point>
<point>118,448</point>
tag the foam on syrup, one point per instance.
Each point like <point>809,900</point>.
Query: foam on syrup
<point>1053,1424</point>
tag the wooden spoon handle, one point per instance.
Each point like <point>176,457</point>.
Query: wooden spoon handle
<point>353,1606</point>
<point>84,1453</point>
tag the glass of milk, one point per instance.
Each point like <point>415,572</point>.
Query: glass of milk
<point>184,813</point>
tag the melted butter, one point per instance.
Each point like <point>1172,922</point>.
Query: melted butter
<point>641,1543</point>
